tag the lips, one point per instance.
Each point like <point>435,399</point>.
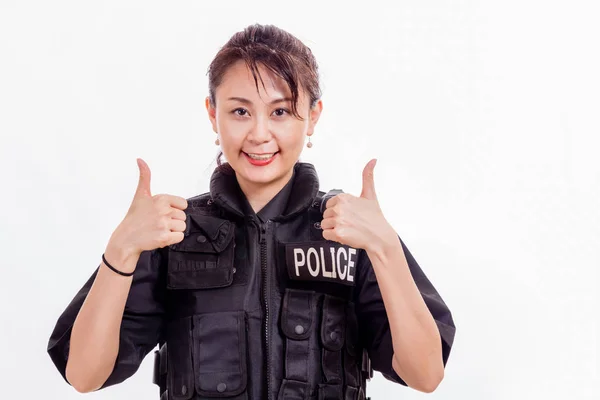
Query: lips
<point>260,159</point>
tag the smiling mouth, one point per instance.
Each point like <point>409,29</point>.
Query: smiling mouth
<point>260,157</point>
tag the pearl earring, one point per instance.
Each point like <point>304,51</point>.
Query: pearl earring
<point>217,142</point>
<point>309,144</point>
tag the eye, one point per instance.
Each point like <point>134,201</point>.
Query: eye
<point>242,112</point>
<point>281,111</point>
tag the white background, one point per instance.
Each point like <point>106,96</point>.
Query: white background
<point>483,116</point>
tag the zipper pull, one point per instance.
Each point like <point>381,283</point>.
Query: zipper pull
<point>262,232</point>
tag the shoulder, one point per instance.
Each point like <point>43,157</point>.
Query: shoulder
<point>201,204</point>
<point>200,200</point>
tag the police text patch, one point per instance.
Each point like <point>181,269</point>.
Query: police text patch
<point>321,261</point>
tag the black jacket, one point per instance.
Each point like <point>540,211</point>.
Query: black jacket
<point>254,306</point>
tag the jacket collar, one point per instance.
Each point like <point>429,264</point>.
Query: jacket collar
<point>226,193</point>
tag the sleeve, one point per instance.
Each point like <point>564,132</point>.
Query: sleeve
<point>373,322</point>
<point>141,327</point>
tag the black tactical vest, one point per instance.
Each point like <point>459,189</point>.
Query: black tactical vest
<point>256,306</point>
<point>259,310</point>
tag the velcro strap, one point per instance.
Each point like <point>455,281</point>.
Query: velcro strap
<point>366,365</point>
<point>351,370</point>
<point>296,360</point>
<point>156,372</point>
<point>330,392</point>
<point>163,359</point>
<point>351,393</point>
<point>160,366</point>
<point>332,366</point>
<point>293,390</point>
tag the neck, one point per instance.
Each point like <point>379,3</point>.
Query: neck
<point>259,194</point>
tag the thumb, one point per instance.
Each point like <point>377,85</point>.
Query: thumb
<point>143,188</point>
<point>368,186</point>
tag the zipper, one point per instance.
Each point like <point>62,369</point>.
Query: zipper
<point>263,229</point>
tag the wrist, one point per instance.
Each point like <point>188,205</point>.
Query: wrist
<point>384,243</point>
<point>121,257</point>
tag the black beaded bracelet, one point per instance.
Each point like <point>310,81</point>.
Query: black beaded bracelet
<point>114,269</point>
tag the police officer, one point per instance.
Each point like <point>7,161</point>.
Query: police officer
<point>265,287</point>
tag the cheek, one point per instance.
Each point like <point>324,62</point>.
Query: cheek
<point>223,123</point>
<point>293,135</point>
<point>232,133</point>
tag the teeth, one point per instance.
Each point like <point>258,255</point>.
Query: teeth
<point>261,156</point>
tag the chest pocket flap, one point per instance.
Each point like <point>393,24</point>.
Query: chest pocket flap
<point>204,258</point>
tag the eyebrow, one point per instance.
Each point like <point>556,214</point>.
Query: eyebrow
<point>246,101</point>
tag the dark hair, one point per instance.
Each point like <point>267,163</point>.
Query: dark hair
<point>275,49</point>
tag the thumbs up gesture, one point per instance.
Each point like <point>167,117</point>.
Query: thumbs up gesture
<point>357,221</point>
<point>151,221</point>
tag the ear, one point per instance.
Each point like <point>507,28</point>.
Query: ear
<point>212,113</point>
<point>314,114</point>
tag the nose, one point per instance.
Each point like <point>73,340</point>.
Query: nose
<point>260,131</point>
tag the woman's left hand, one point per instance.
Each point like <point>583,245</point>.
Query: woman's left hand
<point>358,221</point>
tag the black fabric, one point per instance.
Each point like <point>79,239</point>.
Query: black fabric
<point>205,256</point>
<point>277,205</point>
<point>218,300</point>
<point>333,336</point>
<point>302,190</point>
<point>180,373</point>
<point>352,368</point>
<point>293,390</point>
<point>297,322</point>
<point>296,317</point>
<point>351,393</point>
<point>330,392</point>
<point>219,352</point>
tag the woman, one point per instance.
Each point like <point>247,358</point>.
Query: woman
<point>265,287</point>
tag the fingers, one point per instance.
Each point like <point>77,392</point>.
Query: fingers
<point>143,188</point>
<point>331,203</point>
<point>331,212</point>
<point>177,214</point>
<point>172,201</point>
<point>335,234</point>
<point>328,223</point>
<point>177,225</point>
<point>177,202</point>
<point>329,235</point>
<point>173,237</point>
<point>368,186</point>
<point>337,199</point>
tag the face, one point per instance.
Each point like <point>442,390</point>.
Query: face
<point>259,136</point>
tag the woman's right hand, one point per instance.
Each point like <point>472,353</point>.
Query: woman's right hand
<point>151,221</point>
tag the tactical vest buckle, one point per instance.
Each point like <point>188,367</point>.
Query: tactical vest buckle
<point>328,195</point>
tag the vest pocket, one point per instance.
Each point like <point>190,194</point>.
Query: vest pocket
<point>333,326</point>
<point>333,335</point>
<point>219,354</point>
<point>297,314</point>
<point>351,367</point>
<point>204,259</point>
<point>180,373</point>
<point>351,330</point>
<point>297,320</point>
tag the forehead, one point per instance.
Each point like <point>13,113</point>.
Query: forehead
<point>239,82</point>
